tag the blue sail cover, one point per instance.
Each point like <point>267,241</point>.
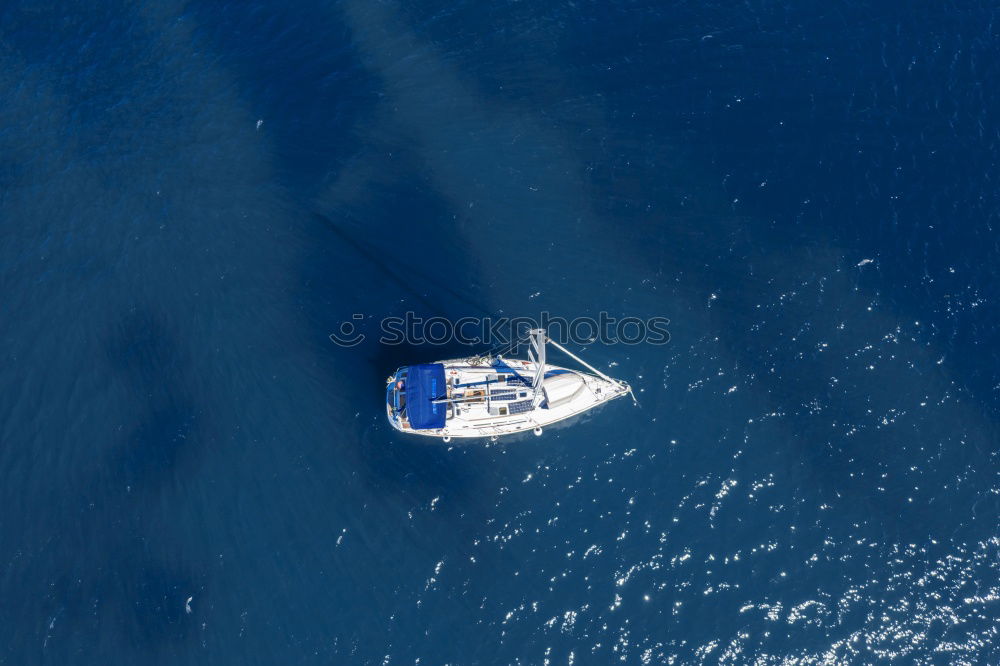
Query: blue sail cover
<point>424,383</point>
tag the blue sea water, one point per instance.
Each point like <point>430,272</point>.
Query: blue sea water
<point>194,195</point>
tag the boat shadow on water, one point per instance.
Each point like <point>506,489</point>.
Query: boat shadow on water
<point>341,254</point>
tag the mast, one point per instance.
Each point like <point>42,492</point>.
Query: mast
<point>536,352</point>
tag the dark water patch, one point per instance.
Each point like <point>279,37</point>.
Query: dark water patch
<point>167,432</point>
<point>300,75</point>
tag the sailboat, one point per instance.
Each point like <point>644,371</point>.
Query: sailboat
<point>492,396</point>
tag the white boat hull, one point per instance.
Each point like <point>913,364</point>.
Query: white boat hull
<point>490,400</point>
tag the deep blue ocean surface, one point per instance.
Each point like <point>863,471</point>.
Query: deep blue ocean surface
<point>194,195</point>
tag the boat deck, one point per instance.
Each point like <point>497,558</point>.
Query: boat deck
<point>493,400</point>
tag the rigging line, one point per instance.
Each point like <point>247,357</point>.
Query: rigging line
<point>379,259</point>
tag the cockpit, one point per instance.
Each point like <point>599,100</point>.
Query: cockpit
<point>415,397</point>
<point>396,394</point>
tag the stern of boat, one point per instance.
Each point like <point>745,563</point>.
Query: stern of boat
<point>395,398</point>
